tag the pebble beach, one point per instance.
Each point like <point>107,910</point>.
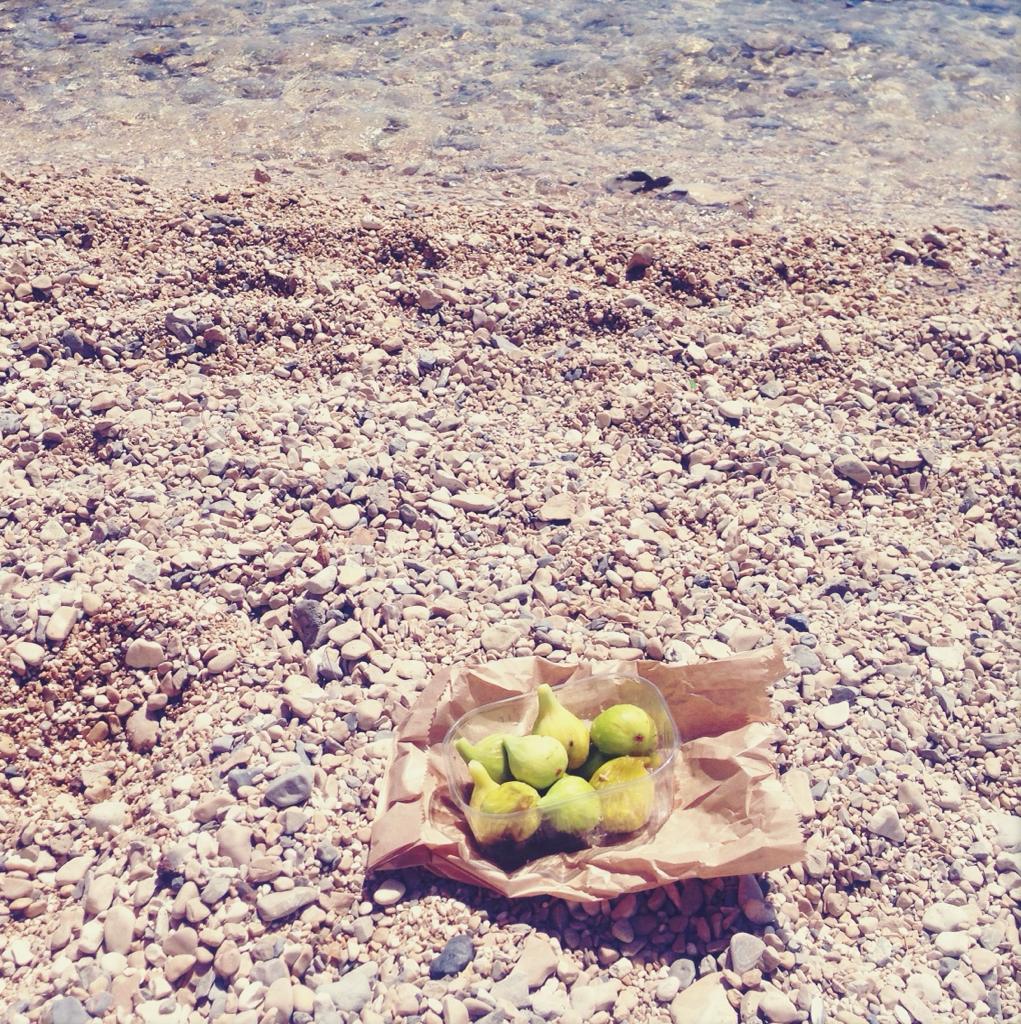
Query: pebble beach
<point>277,446</point>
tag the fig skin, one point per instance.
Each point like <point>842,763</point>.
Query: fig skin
<point>571,805</point>
<point>509,798</point>
<point>555,721</point>
<point>537,760</point>
<point>489,753</point>
<point>629,807</point>
<point>596,759</point>
<point>624,730</point>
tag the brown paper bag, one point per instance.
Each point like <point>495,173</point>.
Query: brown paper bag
<point>731,815</point>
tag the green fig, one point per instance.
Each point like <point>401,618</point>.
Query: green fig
<point>520,802</point>
<point>571,805</point>
<point>624,729</point>
<point>596,758</point>
<point>510,798</point>
<point>537,760</point>
<point>489,753</point>
<point>556,721</point>
<point>627,808</point>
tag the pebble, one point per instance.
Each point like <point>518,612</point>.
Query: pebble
<point>834,716</point>
<point>390,892</point>
<point>144,654</point>
<point>745,951</point>
<point>886,822</point>
<point>550,461</point>
<point>291,788</point>
<point>453,958</point>
<point>274,906</point>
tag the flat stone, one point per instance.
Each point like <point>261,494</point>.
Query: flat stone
<point>537,962</point>
<point>235,843</point>
<point>275,906</point>
<point>390,892</point>
<point>31,654</point>
<point>945,917</point>
<point>704,1002</point>
<point>119,929</point>
<point>499,638</point>
<point>67,1010</point>
<point>474,501</point>
<point>453,958</point>
<point>950,659</point>
<point>290,789</point>
<point>62,621</point>
<point>886,822</point>
<point>353,990</point>
<point>852,468</point>
<point>561,508</point>
<point>144,654</point>
<point>142,731</point>
<point>834,716</point>
<point>777,1008</point>
<point>745,951</point>
<point>108,816</point>
<point>594,997</point>
<point>644,582</point>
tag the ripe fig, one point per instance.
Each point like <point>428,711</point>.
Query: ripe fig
<point>537,760</point>
<point>555,721</point>
<point>506,802</point>
<point>489,753</point>
<point>571,805</point>
<point>624,729</point>
<point>629,792</point>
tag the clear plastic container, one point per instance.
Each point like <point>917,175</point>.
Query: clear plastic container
<point>621,804</point>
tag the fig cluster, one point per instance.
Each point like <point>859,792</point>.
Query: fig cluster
<point>576,775</point>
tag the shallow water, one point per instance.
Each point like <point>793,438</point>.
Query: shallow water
<point>886,109</point>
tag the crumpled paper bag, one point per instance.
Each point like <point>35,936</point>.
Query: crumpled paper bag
<point>731,814</point>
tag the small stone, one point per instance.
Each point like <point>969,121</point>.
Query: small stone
<point>275,906</point>
<point>142,731</point>
<point>62,621</point>
<point>235,843</point>
<point>945,917</point>
<point>119,929</point>
<point>745,951</point>
<point>428,299</point>
<point>31,654</point>
<point>290,789</point>
<point>684,971</point>
<point>353,990</point>
<point>474,501</point>
<point>852,468</point>
<point>500,637</point>
<point>705,1002</point>
<point>108,816</point>
<point>144,654</point>
<point>886,822</point>
<point>776,1007</point>
<point>390,892</point>
<point>644,582</point>
<point>68,1010</point>
<point>307,619</point>
<point>732,410</point>
<point>834,716</point>
<point>951,659</point>
<point>453,958</point>
<point>560,508</point>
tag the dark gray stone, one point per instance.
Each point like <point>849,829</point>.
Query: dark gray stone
<point>454,957</point>
<point>307,618</point>
<point>291,788</point>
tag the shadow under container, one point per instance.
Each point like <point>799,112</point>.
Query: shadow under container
<point>620,804</point>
